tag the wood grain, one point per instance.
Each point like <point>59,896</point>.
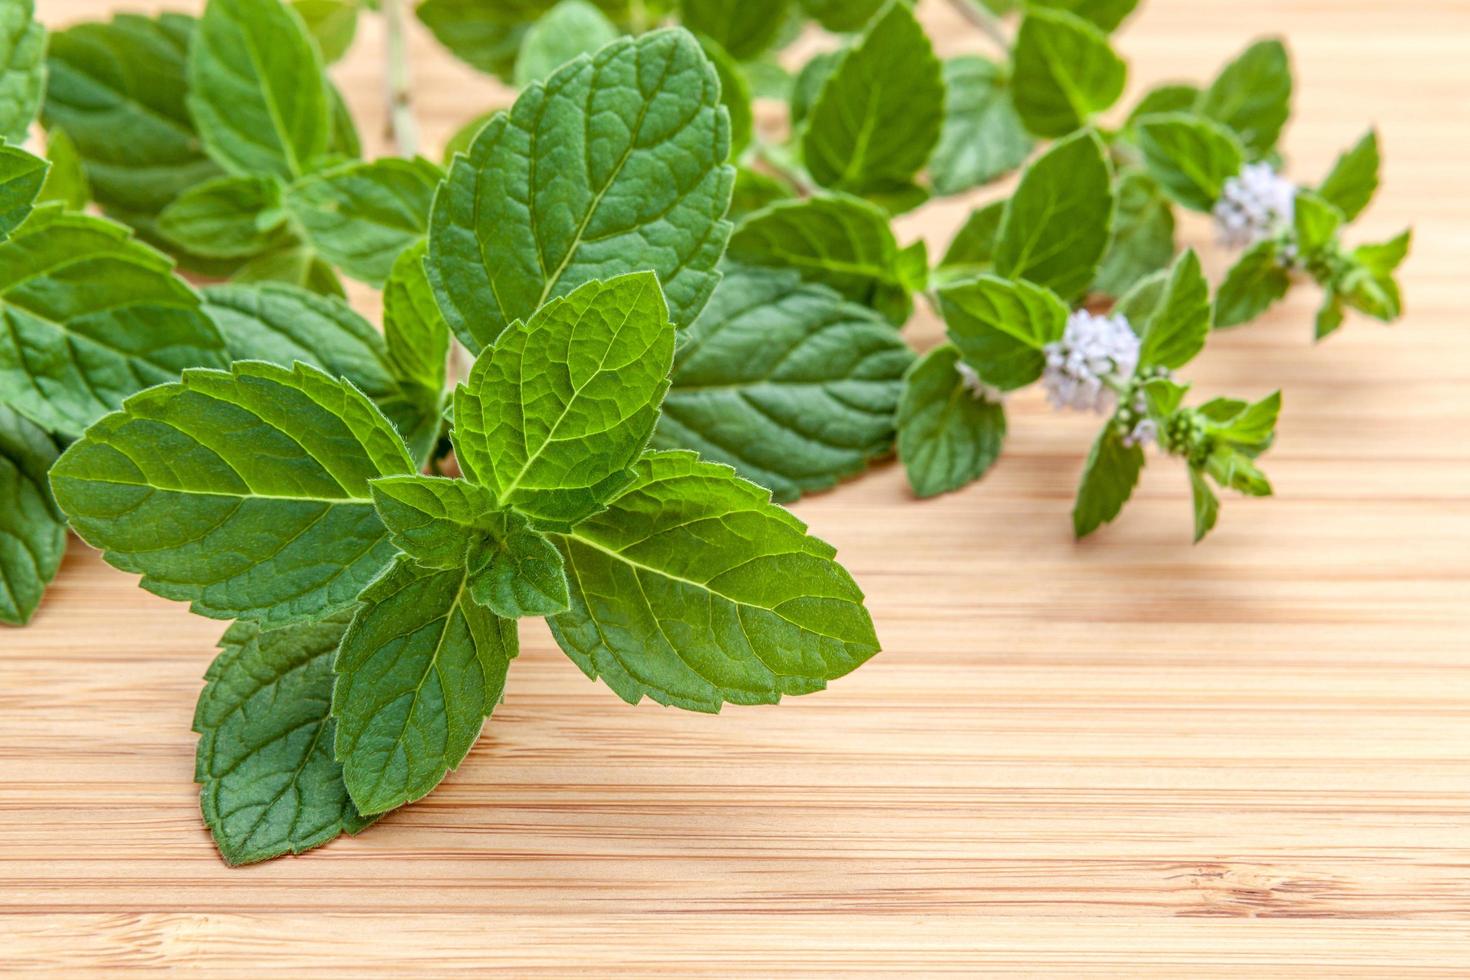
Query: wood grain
<point>1127,757</point>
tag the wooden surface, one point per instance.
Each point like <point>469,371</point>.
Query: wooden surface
<point>1128,756</point>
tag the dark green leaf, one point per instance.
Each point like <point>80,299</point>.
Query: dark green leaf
<point>66,182</point>
<point>1206,505</point>
<point>465,136</point>
<point>32,530</point>
<point>785,381</point>
<point>948,433</point>
<point>973,248</point>
<point>22,69</point>
<point>1167,97</point>
<point>567,30</point>
<point>1190,156</point>
<point>270,785</point>
<point>414,329</point>
<point>842,15</point>
<point>297,265</point>
<point>734,96</point>
<point>1256,281</point>
<point>615,164</point>
<point>1106,14</point>
<point>1002,327</point>
<point>1252,96</point>
<point>1065,72</point>
<point>1108,479</point>
<point>244,491</point>
<point>811,80</point>
<point>520,573</point>
<point>1354,178</point>
<point>755,190</point>
<point>438,522</point>
<point>745,29</point>
<point>1180,324</point>
<point>693,589</point>
<point>227,218</point>
<point>22,179</point>
<point>1143,235</point>
<point>982,137</point>
<point>333,23</point>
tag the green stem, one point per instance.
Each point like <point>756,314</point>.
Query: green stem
<point>402,129</point>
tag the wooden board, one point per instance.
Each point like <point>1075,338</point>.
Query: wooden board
<point>1128,756</point>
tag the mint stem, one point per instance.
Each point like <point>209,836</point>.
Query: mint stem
<point>402,129</point>
<point>982,18</point>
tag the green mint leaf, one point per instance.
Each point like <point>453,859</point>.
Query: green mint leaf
<point>413,327</point>
<point>785,381</point>
<point>1190,156</point>
<point>744,29</point>
<point>1354,177</point>
<point>1106,14</point>
<point>754,191</point>
<point>776,615</point>
<point>982,136</point>
<point>1065,72</point>
<point>973,249</point>
<point>1180,324</point>
<point>1206,505</point>
<point>22,69</point>
<point>1251,428</point>
<point>1137,306</point>
<point>841,242</point>
<point>878,116</point>
<point>1164,98</point>
<point>283,323</point>
<point>1108,479</point>
<point>842,15</point>
<point>332,23</point>
<point>948,434</point>
<point>243,491</point>
<point>32,531</point>
<point>1252,96</point>
<point>569,29</point>
<point>811,80</point>
<point>256,90</point>
<point>345,143</point>
<point>66,182</point>
<point>1057,226</point>
<point>22,179</point>
<point>1001,327</point>
<point>296,265</point>
<point>92,315</point>
<point>419,671</point>
<point>1257,280</point>
<point>734,96</point>
<point>359,217</point>
<point>269,783</point>
<point>1369,291</point>
<point>227,218</point>
<point>438,522</point>
<point>552,416</point>
<point>1231,468</point>
<point>615,164</point>
<point>463,137</point>
<point>489,34</point>
<point>1314,223</point>
<point>1330,315</point>
<point>127,76</point>
<point>1143,234</point>
<point>520,573</point>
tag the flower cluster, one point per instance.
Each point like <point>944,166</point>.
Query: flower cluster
<point>1092,350</point>
<point>1254,205</point>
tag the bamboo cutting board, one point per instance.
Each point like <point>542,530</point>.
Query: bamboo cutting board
<point>1128,756</point>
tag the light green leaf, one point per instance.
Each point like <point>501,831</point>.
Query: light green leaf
<point>438,522</point>
<point>1231,468</point>
<point>419,671</point>
<point>359,217</point>
<point>1354,178</point>
<point>1057,226</point>
<point>1314,223</point>
<point>948,434</point>
<point>1108,479</point>
<point>1252,428</point>
<point>1002,327</point>
<point>785,381</point>
<point>693,589</point>
<point>878,117</point>
<point>1106,14</point>
<point>414,329</point>
<point>841,242</point>
<point>90,316</point>
<point>1190,156</point>
<point>552,417</point>
<point>256,89</point>
<point>745,29</point>
<point>1143,235</point>
<point>734,95</point>
<point>1257,280</point>
<point>345,143</point>
<point>269,783</point>
<point>982,137</point>
<point>567,30</point>
<point>22,179</point>
<point>243,491</point>
<point>1180,324</point>
<point>755,190</point>
<point>842,15</point>
<point>489,34</point>
<point>32,530</point>
<point>127,76</point>
<point>66,182</point>
<point>615,164</point>
<point>297,265</point>
<point>22,68</point>
<point>1162,98</point>
<point>520,573</point>
<point>463,137</point>
<point>227,218</point>
<point>1206,505</point>
<point>333,23</point>
<point>1065,72</point>
<point>283,323</point>
<point>811,80</point>
<point>1369,289</point>
<point>1330,315</point>
<point>973,249</point>
<point>1252,96</point>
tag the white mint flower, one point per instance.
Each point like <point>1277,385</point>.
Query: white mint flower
<point>982,391</point>
<point>1146,431</point>
<point>1254,205</point>
<point>1091,349</point>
